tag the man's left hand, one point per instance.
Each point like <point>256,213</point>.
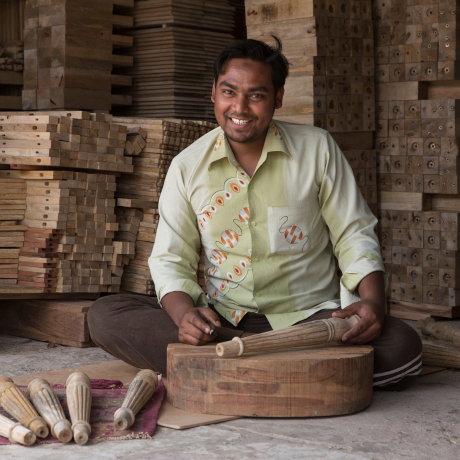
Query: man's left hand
<point>369,327</point>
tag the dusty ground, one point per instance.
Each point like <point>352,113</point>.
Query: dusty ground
<point>420,423</point>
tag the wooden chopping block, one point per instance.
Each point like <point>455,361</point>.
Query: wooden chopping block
<point>301,382</point>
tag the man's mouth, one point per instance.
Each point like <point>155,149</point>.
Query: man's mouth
<point>240,121</point>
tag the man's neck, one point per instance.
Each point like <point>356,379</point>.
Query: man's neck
<point>248,154</point>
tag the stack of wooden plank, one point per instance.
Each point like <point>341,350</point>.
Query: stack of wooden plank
<point>69,139</point>
<point>11,20</point>
<point>12,209</point>
<point>71,224</point>
<point>331,51</point>
<point>176,43</point>
<point>69,55</point>
<point>11,74</point>
<point>417,150</point>
<point>141,190</point>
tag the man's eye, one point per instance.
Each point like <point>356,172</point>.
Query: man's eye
<point>257,96</point>
<point>227,91</point>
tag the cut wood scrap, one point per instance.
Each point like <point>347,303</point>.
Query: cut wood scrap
<point>440,353</point>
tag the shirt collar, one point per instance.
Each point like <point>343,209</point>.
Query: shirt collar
<point>274,142</point>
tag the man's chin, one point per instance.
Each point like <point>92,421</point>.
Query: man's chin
<point>241,138</point>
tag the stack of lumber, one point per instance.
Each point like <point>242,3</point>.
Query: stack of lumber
<point>331,50</point>
<point>140,191</point>
<point>11,74</point>
<point>69,139</point>
<point>364,165</point>
<point>71,224</point>
<point>69,55</point>
<point>12,209</point>
<point>11,20</point>
<point>417,133</point>
<point>176,43</point>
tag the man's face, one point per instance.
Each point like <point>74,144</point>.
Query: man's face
<point>244,99</point>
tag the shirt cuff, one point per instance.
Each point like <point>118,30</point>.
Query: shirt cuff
<point>189,287</point>
<point>360,268</point>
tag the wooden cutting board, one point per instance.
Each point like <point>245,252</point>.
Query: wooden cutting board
<point>302,382</point>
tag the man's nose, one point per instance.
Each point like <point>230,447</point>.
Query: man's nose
<point>240,105</point>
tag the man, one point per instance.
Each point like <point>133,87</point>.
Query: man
<point>271,203</point>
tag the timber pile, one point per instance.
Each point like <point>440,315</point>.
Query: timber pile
<point>69,139</point>
<point>138,193</point>
<point>12,209</point>
<point>417,149</point>
<point>364,165</point>
<point>68,216</point>
<point>176,43</point>
<point>331,50</point>
<point>69,48</point>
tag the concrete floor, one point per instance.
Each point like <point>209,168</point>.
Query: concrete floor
<point>420,423</point>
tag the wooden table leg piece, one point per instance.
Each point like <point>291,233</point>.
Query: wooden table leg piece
<point>79,402</point>
<point>19,407</point>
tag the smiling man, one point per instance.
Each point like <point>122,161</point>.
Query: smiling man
<point>272,203</point>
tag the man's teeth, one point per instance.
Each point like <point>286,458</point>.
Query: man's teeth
<point>239,122</point>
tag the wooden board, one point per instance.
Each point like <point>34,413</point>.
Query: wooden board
<point>303,382</point>
<point>58,321</point>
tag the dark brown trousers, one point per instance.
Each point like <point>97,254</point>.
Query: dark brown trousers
<point>135,329</point>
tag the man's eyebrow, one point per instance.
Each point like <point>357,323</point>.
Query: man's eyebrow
<point>258,88</point>
<point>226,83</point>
<point>251,90</point>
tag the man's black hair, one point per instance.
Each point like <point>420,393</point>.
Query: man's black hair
<point>259,52</point>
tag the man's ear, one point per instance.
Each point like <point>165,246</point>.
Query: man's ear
<point>213,95</point>
<point>279,98</point>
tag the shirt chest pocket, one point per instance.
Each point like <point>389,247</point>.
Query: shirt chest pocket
<point>289,229</point>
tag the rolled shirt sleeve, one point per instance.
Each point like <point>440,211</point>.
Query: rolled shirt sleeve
<point>350,221</point>
<point>175,255</point>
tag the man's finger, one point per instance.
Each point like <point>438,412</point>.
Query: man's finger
<point>211,316</point>
<point>348,311</point>
<point>200,323</point>
<point>198,334</point>
<point>362,325</point>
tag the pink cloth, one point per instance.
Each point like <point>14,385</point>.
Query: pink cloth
<point>108,396</point>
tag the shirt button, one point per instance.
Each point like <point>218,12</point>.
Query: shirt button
<point>253,224</point>
<point>256,259</point>
<point>251,187</point>
<point>259,294</point>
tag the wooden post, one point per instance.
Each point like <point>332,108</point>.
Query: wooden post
<point>140,391</point>
<point>314,333</point>
<point>79,402</point>
<point>48,406</point>
<point>19,407</point>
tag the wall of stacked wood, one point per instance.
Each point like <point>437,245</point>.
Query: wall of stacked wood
<point>176,42</point>
<point>70,61</point>
<point>417,72</point>
<point>11,54</point>
<point>330,47</point>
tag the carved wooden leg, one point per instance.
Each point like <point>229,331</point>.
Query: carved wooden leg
<point>16,432</point>
<point>48,406</point>
<point>140,391</point>
<point>19,407</point>
<point>79,402</point>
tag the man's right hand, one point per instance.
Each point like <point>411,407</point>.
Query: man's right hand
<point>191,321</point>
<point>193,328</point>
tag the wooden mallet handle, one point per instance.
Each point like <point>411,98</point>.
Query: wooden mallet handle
<point>442,331</point>
<point>302,335</point>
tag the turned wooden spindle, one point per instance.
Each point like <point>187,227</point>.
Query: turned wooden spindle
<point>302,335</point>
<point>78,389</point>
<point>16,432</point>
<point>441,331</point>
<point>19,407</point>
<point>440,354</point>
<point>140,391</point>
<point>48,406</point>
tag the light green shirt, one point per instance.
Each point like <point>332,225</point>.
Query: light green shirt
<point>270,240</point>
